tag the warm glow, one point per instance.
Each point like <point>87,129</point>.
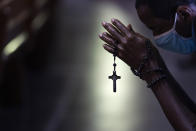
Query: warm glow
<point>14,44</point>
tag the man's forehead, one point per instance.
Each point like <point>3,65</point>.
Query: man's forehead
<point>144,10</point>
<point>144,13</point>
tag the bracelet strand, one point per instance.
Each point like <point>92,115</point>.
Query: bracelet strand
<point>154,82</point>
<point>138,72</point>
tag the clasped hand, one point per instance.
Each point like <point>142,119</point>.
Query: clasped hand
<point>131,46</point>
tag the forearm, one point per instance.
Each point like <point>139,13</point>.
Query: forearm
<point>176,104</point>
<point>178,113</point>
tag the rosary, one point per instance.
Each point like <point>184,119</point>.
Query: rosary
<point>139,72</point>
<point>114,77</point>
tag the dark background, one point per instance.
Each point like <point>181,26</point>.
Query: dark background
<point>63,85</point>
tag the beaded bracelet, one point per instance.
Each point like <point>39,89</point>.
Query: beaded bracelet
<point>146,58</point>
<point>139,72</point>
<point>157,70</point>
<point>154,82</point>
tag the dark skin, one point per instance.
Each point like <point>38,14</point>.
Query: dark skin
<point>176,104</point>
<point>160,25</point>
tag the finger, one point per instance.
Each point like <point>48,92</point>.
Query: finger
<point>107,38</point>
<point>113,31</point>
<point>116,42</point>
<point>110,36</point>
<point>109,48</point>
<point>112,50</point>
<point>119,25</point>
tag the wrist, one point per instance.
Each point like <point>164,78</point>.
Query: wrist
<point>152,65</point>
<point>151,68</point>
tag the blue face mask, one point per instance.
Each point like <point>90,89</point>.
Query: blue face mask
<point>172,41</point>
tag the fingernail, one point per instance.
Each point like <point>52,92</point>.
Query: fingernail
<point>100,35</point>
<point>113,20</point>
<point>105,33</point>
<point>103,23</point>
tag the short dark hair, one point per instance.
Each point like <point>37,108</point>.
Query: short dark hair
<point>165,9</point>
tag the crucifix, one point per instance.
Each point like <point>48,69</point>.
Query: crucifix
<point>114,77</point>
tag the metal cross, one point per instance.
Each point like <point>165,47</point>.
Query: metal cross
<point>114,77</point>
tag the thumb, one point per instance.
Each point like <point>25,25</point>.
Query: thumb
<point>130,28</point>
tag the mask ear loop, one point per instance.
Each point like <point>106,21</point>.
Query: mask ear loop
<point>175,21</point>
<point>171,30</point>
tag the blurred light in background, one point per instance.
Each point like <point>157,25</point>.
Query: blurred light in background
<point>39,21</point>
<point>14,44</point>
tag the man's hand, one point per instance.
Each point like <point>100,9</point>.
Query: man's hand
<point>176,104</point>
<point>131,46</point>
